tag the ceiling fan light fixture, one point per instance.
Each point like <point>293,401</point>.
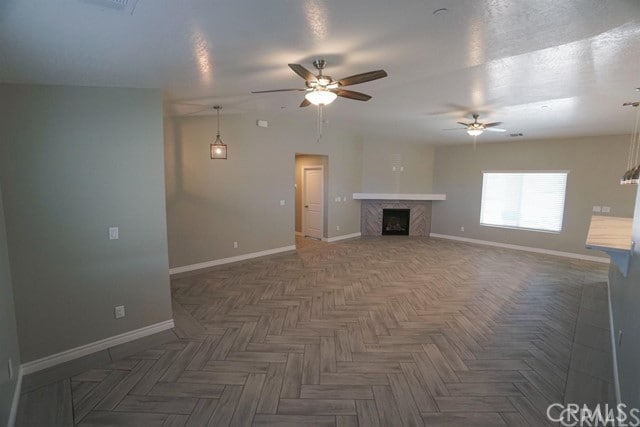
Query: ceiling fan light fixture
<point>321,97</point>
<point>474,132</point>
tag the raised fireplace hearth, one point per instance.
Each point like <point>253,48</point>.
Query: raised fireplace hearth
<point>395,222</point>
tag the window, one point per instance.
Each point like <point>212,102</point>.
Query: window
<point>529,200</point>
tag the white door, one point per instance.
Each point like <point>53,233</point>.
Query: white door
<point>312,198</point>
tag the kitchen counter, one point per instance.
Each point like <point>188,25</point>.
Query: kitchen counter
<point>612,235</point>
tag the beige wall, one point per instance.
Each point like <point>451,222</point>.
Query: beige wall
<point>213,203</point>
<point>8,332</point>
<point>594,164</point>
<point>302,161</point>
<point>380,157</point>
<point>73,162</point>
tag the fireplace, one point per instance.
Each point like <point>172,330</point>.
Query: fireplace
<point>395,222</point>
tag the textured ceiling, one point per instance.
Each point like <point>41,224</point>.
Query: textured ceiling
<point>545,68</point>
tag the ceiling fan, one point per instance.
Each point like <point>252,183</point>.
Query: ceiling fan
<point>323,90</point>
<point>476,128</point>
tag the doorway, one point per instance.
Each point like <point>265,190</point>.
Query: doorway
<point>310,197</point>
<point>312,201</point>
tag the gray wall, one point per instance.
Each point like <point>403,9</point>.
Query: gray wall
<point>73,162</point>
<point>380,157</point>
<point>212,203</point>
<point>595,166</point>
<point>625,298</point>
<point>8,332</point>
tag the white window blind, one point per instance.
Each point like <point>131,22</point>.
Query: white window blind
<point>530,200</point>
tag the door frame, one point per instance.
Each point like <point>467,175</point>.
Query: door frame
<point>304,198</point>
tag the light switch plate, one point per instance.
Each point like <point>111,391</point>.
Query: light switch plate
<point>606,209</point>
<point>597,208</point>
<point>282,202</point>
<point>119,311</point>
<point>114,233</point>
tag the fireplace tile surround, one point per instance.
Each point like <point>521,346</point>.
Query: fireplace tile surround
<point>372,205</point>
<point>371,216</point>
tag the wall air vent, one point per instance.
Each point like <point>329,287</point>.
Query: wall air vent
<point>515,135</point>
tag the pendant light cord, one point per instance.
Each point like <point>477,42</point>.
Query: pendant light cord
<point>636,138</point>
<point>218,114</point>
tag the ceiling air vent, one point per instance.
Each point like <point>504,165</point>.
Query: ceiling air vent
<point>120,5</point>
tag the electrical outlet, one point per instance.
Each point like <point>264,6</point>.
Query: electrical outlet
<point>619,338</point>
<point>235,245</point>
<point>282,202</point>
<point>337,228</point>
<point>597,208</point>
<point>113,233</point>
<point>10,368</point>
<point>119,311</point>
<point>606,209</point>
<point>462,228</point>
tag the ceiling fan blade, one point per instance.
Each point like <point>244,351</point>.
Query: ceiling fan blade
<point>488,125</point>
<point>305,103</point>
<point>277,90</point>
<point>302,72</point>
<point>193,113</point>
<point>352,94</point>
<point>362,78</point>
<point>454,129</point>
<point>464,124</point>
<point>494,129</point>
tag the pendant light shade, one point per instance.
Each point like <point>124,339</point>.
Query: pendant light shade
<point>218,148</point>
<point>474,132</point>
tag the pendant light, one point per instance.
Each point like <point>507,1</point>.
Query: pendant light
<point>218,148</point>
<point>632,175</point>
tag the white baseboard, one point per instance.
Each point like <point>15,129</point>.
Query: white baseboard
<point>346,236</point>
<point>229,260</point>
<point>16,400</point>
<point>614,355</point>
<point>74,353</point>
<point>523,248</point>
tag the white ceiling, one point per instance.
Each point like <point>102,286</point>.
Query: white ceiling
<point>546,68</point>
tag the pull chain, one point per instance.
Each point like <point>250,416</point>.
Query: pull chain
<point>319,123</point>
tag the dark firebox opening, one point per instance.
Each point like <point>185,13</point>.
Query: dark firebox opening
<point>395,222</point>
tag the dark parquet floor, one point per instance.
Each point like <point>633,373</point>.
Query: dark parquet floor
<point>390,331</point>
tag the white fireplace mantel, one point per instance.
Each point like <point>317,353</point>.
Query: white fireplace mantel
<point>398,196</point>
